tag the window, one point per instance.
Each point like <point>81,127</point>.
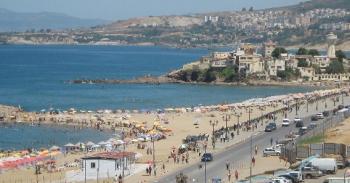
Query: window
<point>93,165</point>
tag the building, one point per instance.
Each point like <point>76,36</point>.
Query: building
<point>251,64</point>
<point>331,39</point>
<point>322,62</point>
<point>306,72</point>
<point>331,77</point>
<point>108,164</point>
<point>268,48</point>
<point>275,65</point>
<point>221,55</point>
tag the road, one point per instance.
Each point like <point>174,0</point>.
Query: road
<point>241,151</point>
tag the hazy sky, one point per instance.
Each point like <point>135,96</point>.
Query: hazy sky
<point>122,9</point>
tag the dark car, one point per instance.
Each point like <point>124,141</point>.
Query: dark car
<point>340,107</point>
<point>325,113</point>
<point>207,157</point>
<point>270,127</point>
<point>302,131</point>
<point>299,124</point>
<point>289,177</point>
<point>312,126</point>
<point>314,118</point>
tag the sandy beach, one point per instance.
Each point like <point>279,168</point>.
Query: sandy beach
<point>174,124</point>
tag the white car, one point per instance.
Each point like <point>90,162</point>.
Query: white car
<point>319,115</point>
<point>285,122</point>
<point>297,119</point>
<point>281,180</point>
<point>271,152</point>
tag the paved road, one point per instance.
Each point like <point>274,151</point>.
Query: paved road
<point>241,151</point>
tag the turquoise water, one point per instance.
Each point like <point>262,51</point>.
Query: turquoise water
<point>21,136</point>
<point>34,77</point>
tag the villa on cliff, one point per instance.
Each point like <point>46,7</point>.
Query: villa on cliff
<point>250,62</point>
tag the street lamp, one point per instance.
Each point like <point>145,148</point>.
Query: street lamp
<point>213,124</point>
<point>251,146</point>
<point>238,125</point>
<point>226,118</point>
<point>296,107</point>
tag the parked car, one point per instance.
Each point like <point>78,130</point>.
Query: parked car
<point>289,177</point>
<point>285,122</point>
<point>337,180</point>
<point>311,172</point>
<point>271,152</point>
<point>312,126</point>
<point>325,113</point>
<point>314,118</point>
<point>281,180</point>
<point>207,157</point>
<point>326,165</point>
<point>299,124</point>
<point>297,174</point>
<point>270,127</point>
<point>319,115</point>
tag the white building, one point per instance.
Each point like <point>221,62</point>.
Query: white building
<point>273,66</point>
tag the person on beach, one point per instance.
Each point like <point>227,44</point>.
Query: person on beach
<point>253,161</point>
<point>227,165</point>
<point>236,174</point>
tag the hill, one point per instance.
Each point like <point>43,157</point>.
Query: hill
<point>11,21</point>
<point>333,4</point>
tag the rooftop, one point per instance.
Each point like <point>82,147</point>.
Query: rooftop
<point>110,155</point>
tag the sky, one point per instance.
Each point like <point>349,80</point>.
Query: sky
<point>123,9</point>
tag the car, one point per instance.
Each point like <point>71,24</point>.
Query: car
<point>271,152</point>
<point>311,172</point>
<point>285,122</point>
<point>314,118</point>
<point>319,115</point>
<point>280,180</point>
<point>312,126</point>
<point>289,177</point>
<point>325,113</point>
<point>297,174</point>
<point>270,127</point>
<point>207,157</point>
<point>299,124</point>
<point>302,130</point>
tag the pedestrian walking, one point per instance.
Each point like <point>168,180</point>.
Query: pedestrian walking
<point>227,165</point>
<point>253,161</point>
<point>271,141</point>
<point>256,150</point>
<point>236,174</point>
<point>120,179</point>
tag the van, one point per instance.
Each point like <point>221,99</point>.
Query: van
<point>326,165</point>
<point>337,180</point>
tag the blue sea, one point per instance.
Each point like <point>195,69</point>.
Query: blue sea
<point>34,77</point>
<point>22,136</point>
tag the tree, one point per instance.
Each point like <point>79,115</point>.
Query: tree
<point>302,63</point>
<point>340,55</point>
<point>251,8</point>
<point>313,52</point>
<point>229,74</point>
<point>276,53</point>
<point>335,67</point>
<point>244,9</point>
<point>302,51</point>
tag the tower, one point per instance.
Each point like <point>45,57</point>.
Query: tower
<point>331,39</point>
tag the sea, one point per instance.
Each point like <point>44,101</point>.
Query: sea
<point>35,78</point>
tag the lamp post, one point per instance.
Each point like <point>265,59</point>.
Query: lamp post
<point>307,105</point>
<point>154,156</point>
<point>296,107</point>
<point>238,115</point>
<point>325,103</point>
<point>205,165</point>
<point>213,124</point>
<point>226,118</point>
<point>251,146</point>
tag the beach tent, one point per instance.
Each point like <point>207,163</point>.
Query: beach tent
<point>70,147</point>
<point>54,148</point>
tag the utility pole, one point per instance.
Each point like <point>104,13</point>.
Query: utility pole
<point>154,156</point>
<point>296,107</point>
<point>205,165</point>
<point>238,125</point>
<point>251,147</point>
<point>213,124</point>
<point>307,105</point>
<point>226,118</point>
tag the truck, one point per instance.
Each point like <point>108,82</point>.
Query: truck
<point>326,165</point>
